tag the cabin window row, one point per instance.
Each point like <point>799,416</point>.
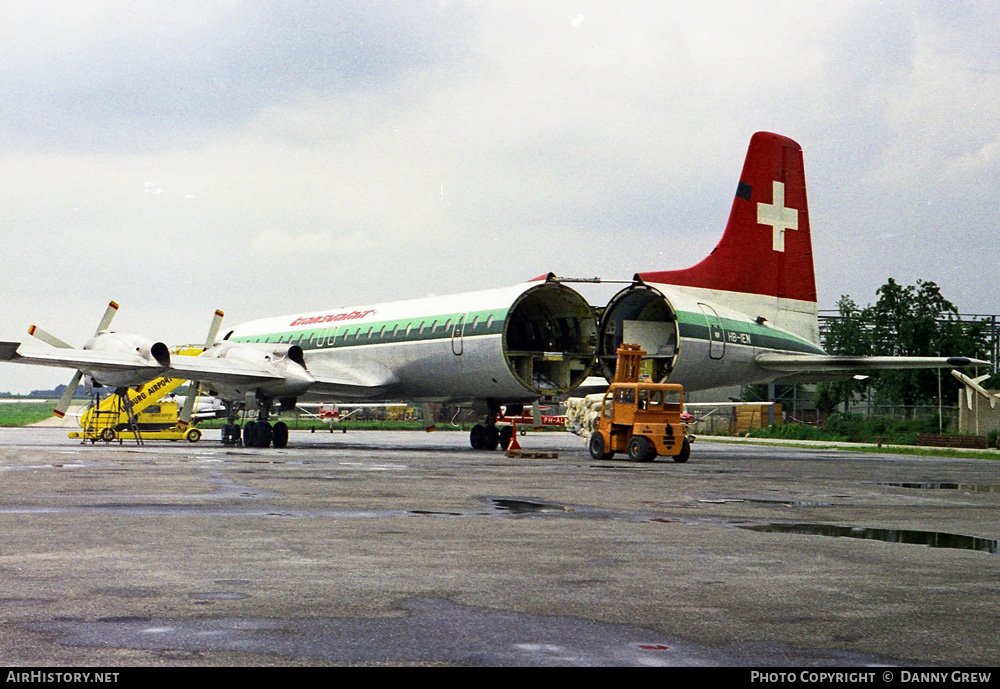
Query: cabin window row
<point>322,338</point>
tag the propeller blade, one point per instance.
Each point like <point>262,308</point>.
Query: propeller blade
<point>213,330</point>
<point>48,338</point>
<point>109,315</point>
<point>63,404</point>
<point>184,418</point>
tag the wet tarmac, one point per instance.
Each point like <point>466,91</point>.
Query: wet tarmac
<point>410,549</point>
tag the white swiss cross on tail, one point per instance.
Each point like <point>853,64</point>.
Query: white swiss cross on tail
<point>778,217</point>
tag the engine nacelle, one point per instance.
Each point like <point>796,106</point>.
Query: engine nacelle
<point>284,361</point>
<point>150,358</point>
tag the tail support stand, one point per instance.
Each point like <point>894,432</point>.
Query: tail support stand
<point>514,444</point>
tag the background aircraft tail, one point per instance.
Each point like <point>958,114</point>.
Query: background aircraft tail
<point>766,250</point>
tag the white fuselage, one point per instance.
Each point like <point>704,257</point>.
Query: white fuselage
<point>502,344</point>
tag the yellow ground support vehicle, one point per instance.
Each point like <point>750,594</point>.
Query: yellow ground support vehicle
<point>642,419</point>
<point>155,419</point>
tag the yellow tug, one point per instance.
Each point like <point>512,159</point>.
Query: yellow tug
<point>151,417</point>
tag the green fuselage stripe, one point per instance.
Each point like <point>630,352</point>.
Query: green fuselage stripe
<point>440,327</point>
<point>739,332</point>
<point>491,322</point>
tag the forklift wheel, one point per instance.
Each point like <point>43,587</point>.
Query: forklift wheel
<point>685,452</point>
<point>596,447</point>
<point>639,450</point>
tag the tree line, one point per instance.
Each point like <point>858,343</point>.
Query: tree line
<point>915,320</point>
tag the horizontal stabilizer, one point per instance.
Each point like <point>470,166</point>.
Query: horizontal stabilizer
<point>809,363</point>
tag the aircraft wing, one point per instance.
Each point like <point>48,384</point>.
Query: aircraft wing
<point>327,378</point>
<point>812,363</point>
<point>343,381</point>
<point>186,367</point>
<point>212,370</point>
<point>83,359</point>
<point>320,379</point>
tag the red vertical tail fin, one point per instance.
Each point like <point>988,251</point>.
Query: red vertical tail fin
<point>766,248</point>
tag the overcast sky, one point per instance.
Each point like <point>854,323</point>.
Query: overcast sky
<point>274,157</point>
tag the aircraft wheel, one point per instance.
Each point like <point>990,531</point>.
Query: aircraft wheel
<point>193,435</point>
<point>280,434</point>
<point>264,434</point>
<point>685,452</point>
<point>477,437</point>
<point>596,446</point>
<point>108,434</point>
<point>250,434</point>
<point>506,435</point>
<point>231,434</point>
<point>492,438</point>
<point>638,449</point>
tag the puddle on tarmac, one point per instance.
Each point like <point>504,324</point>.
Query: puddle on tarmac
<point>218,595</point>
<point>786,503</point>
<point>127,592</point>
<point>35,467</point>
<point>24,602</point>
<point>527,506</point>
<point>932,539</point>
<point>622,467</point>
<point>943,485</point>
<point>247,508</point>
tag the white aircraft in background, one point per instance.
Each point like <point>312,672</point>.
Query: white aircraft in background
<point>745,314</point>
<point>974,387</point>
<point>332,414</point>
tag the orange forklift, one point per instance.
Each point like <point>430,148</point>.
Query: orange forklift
<point>641,419</point>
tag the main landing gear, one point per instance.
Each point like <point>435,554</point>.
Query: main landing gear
<point>263,434</point>
<point>487,436</point>
<point>259,433</point>
<point>484,437</point>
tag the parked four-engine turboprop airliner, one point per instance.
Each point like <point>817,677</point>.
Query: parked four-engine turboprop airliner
<point>745,314</point>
